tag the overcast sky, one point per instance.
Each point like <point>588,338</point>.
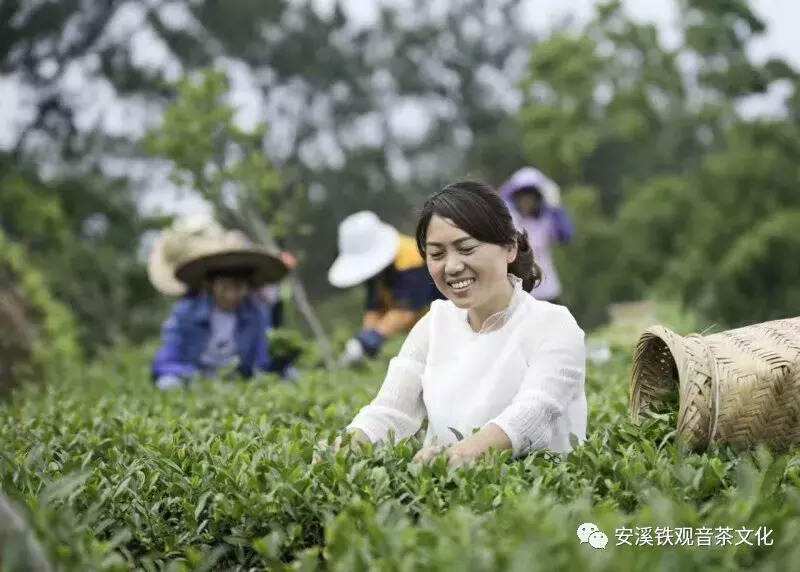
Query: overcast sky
<point>99,105</point>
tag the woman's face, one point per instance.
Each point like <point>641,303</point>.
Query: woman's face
<point>229,292</point>
<point>527,201</point>
<point>471,273</point>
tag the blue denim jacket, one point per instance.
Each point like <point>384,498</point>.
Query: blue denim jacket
<point>185,336</point>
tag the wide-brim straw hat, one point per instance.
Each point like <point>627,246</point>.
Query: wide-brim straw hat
<point>185,254</point>
<point>741,386</point>
<point>232,250</point>
<point>367,245</point>
<point>172,244</point>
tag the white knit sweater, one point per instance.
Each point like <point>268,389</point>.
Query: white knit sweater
<point>525,376</point>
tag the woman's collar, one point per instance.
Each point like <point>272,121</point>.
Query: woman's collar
<point>499,319</point>
<point>515,280</point>
<point>517,296</point>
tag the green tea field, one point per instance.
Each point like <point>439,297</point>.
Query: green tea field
<point>113,474</point>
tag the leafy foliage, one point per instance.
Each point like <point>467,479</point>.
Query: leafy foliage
<point>669,178</point>
<point>40,334</point>
<point>116,474</point>
<point>674,193</point>
<point>225,164</point>
<point>81,232</point>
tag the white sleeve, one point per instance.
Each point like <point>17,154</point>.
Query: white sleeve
<point>553,379</point>
<point>398,406</point>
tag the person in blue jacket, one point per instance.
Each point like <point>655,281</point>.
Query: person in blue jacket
<point>219,324</point>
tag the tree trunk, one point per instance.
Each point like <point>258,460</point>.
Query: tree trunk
<point>305,308</point>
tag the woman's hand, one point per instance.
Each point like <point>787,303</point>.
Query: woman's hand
<point>427,454</point>
<point>463,451</point>
<point>323,446</point>
<point>457,454</point>
<point>357,436</point>
<point>490,437</point>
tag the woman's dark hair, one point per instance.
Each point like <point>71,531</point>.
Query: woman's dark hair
<point>478,210</point>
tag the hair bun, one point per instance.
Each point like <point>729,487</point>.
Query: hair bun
<point>523,244</point>
<point>524,266</point>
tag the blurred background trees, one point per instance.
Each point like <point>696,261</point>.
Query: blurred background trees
<point>675,193</point>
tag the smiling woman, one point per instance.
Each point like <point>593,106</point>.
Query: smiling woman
<point>491,357</point>
<point>469,250</point>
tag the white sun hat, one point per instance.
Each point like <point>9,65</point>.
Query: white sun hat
<point>367,245</point>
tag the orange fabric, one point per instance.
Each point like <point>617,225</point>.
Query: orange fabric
<point>407,254</point>
<point>371,319</point>
<point>396,321</point>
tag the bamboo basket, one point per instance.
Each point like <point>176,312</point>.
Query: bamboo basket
<point>740,386</point>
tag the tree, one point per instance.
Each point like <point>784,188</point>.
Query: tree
<point>332,87</point>
<point>81,233</point>
<point>746,200</point>
<point>227,166</point>
<point>690,201</point>
<point>40,341</point>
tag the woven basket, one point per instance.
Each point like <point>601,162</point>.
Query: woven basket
<point>741,386</point>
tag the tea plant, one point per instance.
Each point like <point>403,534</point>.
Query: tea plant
<point>113,474</point>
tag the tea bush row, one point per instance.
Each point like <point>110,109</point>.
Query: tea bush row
<point>114,474</point>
